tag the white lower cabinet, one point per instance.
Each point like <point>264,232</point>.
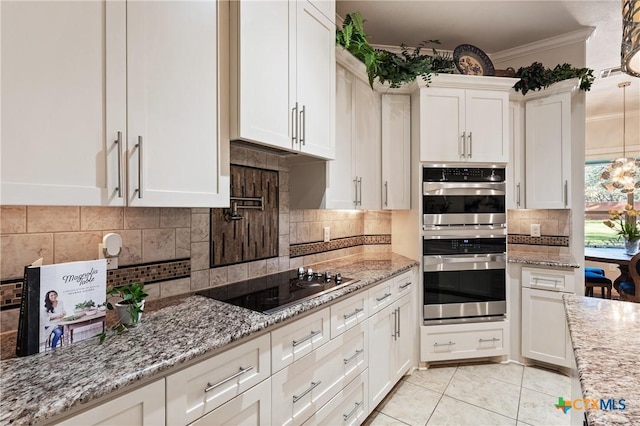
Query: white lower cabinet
<point>195,391</point>
<point>545,334</point>
<point>305,386</point>
<point>144,406</point>
<point>252,408</point>
<point>349,407</point>
<point>461,341</point>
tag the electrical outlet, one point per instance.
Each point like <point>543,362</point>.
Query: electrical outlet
<point>327,235</point>
<point>535,229</point>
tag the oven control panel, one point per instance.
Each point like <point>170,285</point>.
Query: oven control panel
<point>462,174</point>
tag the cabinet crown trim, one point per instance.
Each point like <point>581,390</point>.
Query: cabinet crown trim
<point>466,82</point>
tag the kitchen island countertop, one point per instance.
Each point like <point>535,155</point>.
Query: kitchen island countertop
<point>39,387</point>
<point>606,344</point>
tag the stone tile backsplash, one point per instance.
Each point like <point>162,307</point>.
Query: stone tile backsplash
<point>555,231</point>
<point>172,236</point>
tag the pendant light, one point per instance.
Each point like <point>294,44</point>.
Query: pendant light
<point>620,174</point>
<point>630,52</point>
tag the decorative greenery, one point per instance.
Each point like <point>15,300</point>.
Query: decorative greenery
<point>625,223</point>
<point>132,295</point>
<point>388,66</point>
<point>86,304</point>
<point>537,77</point>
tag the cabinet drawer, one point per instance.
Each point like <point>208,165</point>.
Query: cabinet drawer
<point>196,390</point>
<point>296,340</point>
<point>459,341</point>
<point>381,296</point>
<point>348,407</point>
<point>404,284</point>
<point>348,313</point>
<point>549,279</point>
<point>303,387</point>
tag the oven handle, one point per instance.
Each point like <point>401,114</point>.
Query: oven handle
<point>451,192</point>
<point>465,232</point>
<point>430,186</point>
<point>463,262</point>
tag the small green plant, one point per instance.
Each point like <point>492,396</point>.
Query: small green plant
<point>388,66</point>
<point>86,304</point>
<point>131,295</point>
<point>537,77</point>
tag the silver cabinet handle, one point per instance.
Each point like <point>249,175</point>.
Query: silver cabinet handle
<point>566,193</point>
<point>386,193</point>
<point>304,339</point>
<point>303,132</point>
<point>139,146</point>
<point>518,195</point>
<point>470,144</point>
<point>296,398</point>
<point>495,339</point>
<point>360,184</point>
<point>398,328</point>
<point>444,344</point>
<point>352,412</point>
<point>294,125</point>
<point>463,151</point>
<point>380,299</point>
<point>223,381</point>
<point>356,312</point>
<point>402,287</point>
<point>395,325</point>
<point>355,182</point>
<point>119,143</point>
<point>352,357</point>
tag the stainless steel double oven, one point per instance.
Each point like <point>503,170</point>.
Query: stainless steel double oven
<point>464,243</point>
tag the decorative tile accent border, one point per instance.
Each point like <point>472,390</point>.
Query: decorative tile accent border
<point>304,249</point>
<point>150,272</point>
<point>548,240</point>
<point>11,290</point>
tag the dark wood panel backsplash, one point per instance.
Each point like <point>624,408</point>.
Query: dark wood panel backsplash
<point>255,236</point>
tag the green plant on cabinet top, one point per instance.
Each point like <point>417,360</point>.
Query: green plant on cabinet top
<point>537,77</point>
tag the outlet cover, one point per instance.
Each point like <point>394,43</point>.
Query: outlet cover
<point>327,235</point>
<point>535,229</point>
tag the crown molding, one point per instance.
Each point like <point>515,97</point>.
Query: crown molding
<point>542,45</point>
<point>468,81</point>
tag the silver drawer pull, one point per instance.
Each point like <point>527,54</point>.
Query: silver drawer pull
<point>314,385</point>
<point>304,339</point>
<point>352,412</point>
<point>352,357</point>
<point>119,143</point>
<point>356,312</point>
<point>488,340</point>
<point>223,381</point>
<point>380,299</point>
<point>402,287</point>
<point>444,344</point>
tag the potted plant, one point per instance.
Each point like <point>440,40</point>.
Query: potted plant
<point>129,307</point>
<point>626,224</point>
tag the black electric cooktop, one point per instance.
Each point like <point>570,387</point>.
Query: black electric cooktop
<point>275,292</point>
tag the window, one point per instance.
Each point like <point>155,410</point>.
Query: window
<point>597,203</point>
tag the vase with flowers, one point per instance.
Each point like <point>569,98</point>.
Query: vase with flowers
<point>625,223</point>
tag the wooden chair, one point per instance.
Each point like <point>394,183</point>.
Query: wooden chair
<point>594,277</point>
<point>628,290</point>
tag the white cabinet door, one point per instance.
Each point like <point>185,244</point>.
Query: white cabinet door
<point>144,407</point>
<point>61,112</point>
<point>252,408</point>
<point>367,146</point>
<point>172,81</point>
<point>396,152</point>
<point>404,336</point>
<point>442,123</point>
<point>262,79</point>
<point>545,335</point>
<point>487,126</point>
<point>516,165</point>
<point>548,142</point>
<point>381,380</point>
<point>315,81</point>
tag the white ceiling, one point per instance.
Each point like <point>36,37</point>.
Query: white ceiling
<point>494,26</point>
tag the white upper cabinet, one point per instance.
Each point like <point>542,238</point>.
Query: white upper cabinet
<point>396,152</point>
<point>464,119</point>
<point>283,75</point>
<point>114,103</point>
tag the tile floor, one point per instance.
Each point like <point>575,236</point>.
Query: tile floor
<point>475,394</point>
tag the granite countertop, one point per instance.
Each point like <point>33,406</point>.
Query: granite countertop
<point>39,387</point>
<point>543,259</point>
<point>606,343</point>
